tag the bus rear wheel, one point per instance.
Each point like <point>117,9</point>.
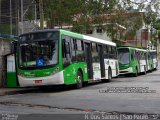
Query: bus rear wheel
<point>79,83</point>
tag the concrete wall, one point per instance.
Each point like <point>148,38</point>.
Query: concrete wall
<point>4,50</point>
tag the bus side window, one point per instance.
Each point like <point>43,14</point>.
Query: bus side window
<point>80,55</point>
<point>114,54</point>
<point>95,56</point>
<point>66,52</point>
<point>132,56</point>
<point>149,56</point>
<point>107,54</point>
<point>110,52</point>
<point>145,56</point>
<point>73,49</point>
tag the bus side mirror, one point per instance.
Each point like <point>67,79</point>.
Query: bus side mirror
<point>13,46</point>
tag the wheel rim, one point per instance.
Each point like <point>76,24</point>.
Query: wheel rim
<point>79,80</point>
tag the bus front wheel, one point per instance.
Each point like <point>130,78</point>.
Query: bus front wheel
<point>79,83</point>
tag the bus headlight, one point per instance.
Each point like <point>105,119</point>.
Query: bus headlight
<point>21,74</point>
<point>55,71</point>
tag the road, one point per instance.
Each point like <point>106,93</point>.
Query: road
<point>98,98</point>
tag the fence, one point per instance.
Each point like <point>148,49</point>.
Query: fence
<point>14,14</point>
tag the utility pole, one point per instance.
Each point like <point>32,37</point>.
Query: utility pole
<point>35,12</point>
<point>18,9</point>
<point>22,17</point>
<point>41,14</point>
<point>11,17</point>
<point>0,10</point>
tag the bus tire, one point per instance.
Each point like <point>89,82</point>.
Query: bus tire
<point>79,83</point>
<point>109,74</point>
<point>136,73</point>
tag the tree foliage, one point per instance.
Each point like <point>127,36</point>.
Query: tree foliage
<point>156,25</point>
<point>84,15</point>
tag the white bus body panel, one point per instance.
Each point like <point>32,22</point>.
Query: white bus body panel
<point>155,63</point>
<point>142,65</point>
<point>126,71</point>
<point>55,79</point>
<point>96,71</point>
<point>113,64</point>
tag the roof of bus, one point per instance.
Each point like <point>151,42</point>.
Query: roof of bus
<point>130,47</point>
<point>153,50</point>
<point>44,30</point>
<point>89,38</point>
<point>77,35</point>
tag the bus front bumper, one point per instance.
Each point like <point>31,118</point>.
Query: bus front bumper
<point>126,71</point>
<point>55,79</point>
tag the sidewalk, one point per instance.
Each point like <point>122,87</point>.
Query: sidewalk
<point>12,91</point>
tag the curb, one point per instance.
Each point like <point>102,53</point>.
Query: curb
<point>18,91</point>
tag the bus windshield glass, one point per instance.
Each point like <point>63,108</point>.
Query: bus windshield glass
<point>123,56</point>
<point>35,53</point>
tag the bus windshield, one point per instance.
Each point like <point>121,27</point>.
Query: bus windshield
<point>37,54</point>
<point>123,56</point>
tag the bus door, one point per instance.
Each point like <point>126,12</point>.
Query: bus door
<point>88,58</point>
<point>101,57</point>
<point>138,59</point>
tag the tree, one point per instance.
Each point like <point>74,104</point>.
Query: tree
<point>83,15</point>
<point>156,25</point>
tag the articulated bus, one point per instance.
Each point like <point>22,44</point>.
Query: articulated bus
<point>134,60</point>
<point>52,57</point>
<point>154,58</point>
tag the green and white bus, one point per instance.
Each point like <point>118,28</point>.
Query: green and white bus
<point>154,58</point>
<point>132,60</point>
<point>149,61</point>
<point>52,57</point>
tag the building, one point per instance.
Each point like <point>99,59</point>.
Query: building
<point>140,39</point>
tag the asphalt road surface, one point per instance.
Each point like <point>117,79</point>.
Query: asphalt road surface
<point>123,98</point>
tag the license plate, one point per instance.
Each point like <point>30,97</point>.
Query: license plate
<point>38,81</point>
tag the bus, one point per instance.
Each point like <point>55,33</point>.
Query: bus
<point>154,59</point>
<point>149,61</point>
<point>56,57</point>
<point>132,60</point>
